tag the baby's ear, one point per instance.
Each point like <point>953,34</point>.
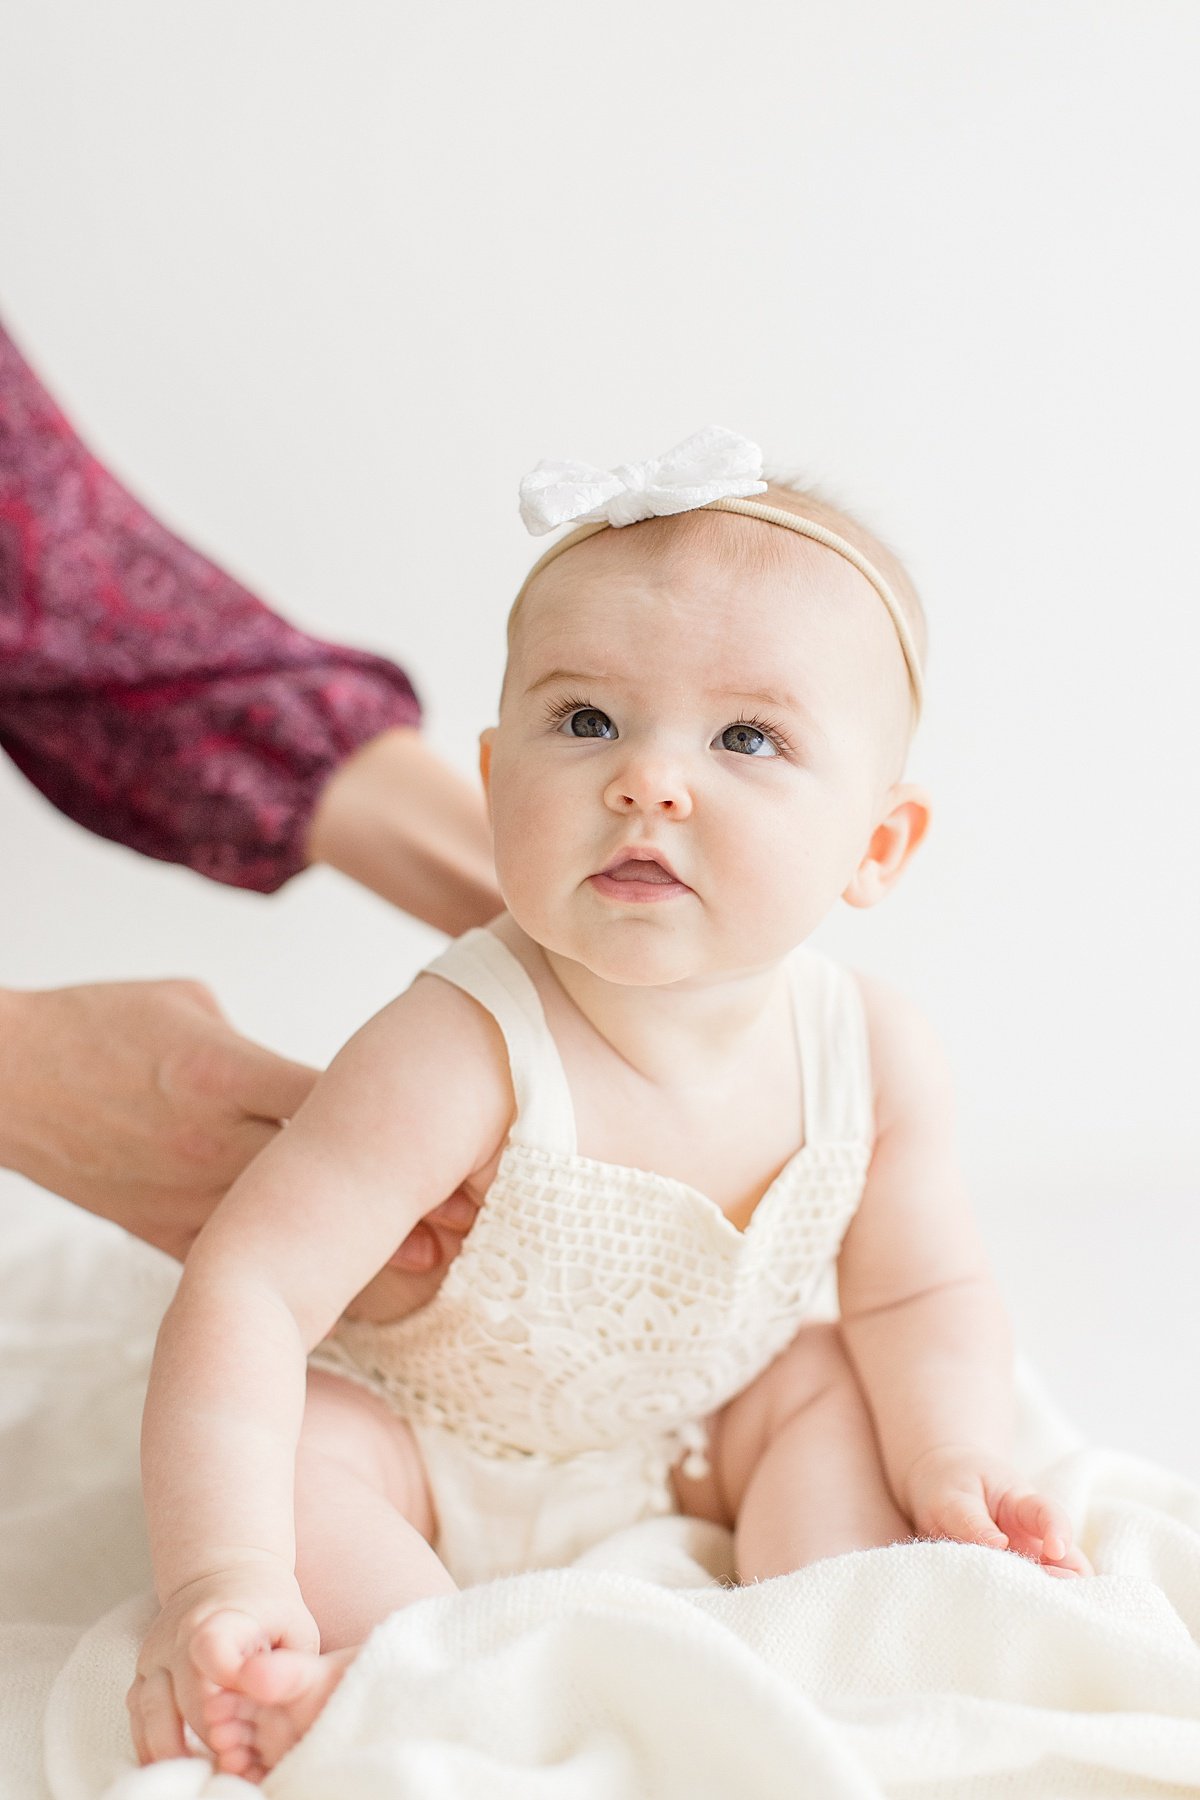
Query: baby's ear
<point>893,842</point>
<point>485,760</point>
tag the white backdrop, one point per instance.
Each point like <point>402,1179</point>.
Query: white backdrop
<point>321,283</point>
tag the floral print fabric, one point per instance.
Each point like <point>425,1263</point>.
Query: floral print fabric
<point>147,694</point>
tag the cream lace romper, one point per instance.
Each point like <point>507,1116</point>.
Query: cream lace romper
<point>597,1314</point>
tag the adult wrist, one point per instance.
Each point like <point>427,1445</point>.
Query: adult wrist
<point>398,819</point>
<point>15,1009</point>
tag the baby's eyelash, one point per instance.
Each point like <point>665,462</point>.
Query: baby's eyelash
<point>777,735</point>
<point>558,710</point>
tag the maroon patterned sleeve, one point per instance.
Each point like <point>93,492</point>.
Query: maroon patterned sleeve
<point>147,694</point>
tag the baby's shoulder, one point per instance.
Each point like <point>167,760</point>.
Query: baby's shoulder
<point>910,1070</point>
<point>443,1052</point>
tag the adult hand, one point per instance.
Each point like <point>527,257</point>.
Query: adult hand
<point>405,824</point>
<point>140,1102</point>
<point>137,1100</point>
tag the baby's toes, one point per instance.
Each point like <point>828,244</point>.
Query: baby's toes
<point>277,1677</point>
<point>239,1759</point>
<point>287,1689</point>
<point>226,1703</point>
<point>242,1760</point>
<point>229,1734</point>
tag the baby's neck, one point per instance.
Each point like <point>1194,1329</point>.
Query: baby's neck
<point>682,1035</point>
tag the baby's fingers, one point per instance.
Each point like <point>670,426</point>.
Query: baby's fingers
<point>1042,1529</point>
<point>155,1722</point>
<point>1034,1524</point>
<point>1073,1563</point>
<point>223,1643</point>
<point>962,1515</point>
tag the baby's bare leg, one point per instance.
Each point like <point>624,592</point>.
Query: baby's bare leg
<point>364,1513</point>
<point>364,1521</point>
<point>796,1468</point>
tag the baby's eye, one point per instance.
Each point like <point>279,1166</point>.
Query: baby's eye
<point>588,722</point>
<point>748,740</point>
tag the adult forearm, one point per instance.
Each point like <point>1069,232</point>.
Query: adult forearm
<point>404,823</point>
<point>144,691</point>
<point>936,1370</point>
<point>10,1034</point>
<point>219,1433</point>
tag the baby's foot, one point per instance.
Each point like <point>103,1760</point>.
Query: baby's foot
<point>270,1703</point>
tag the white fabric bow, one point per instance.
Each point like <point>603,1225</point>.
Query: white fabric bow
<point>712,464</point>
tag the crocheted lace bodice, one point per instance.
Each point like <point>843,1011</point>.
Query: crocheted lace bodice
<point>592,1303</point>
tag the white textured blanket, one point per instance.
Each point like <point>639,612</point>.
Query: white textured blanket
<point>926,1670</point>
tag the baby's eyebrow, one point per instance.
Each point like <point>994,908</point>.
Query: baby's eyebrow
<point>565,675</point>
<point>768,696</point>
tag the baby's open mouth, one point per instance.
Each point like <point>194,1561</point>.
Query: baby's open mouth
<point>637,877</point>
<point>638,871</point>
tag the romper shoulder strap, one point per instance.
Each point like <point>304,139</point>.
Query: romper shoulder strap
<point>483,967</point>
<point>835,1061</point>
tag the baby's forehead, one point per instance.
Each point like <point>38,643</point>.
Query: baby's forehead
<point>698,547</point>
<point>715,584</point>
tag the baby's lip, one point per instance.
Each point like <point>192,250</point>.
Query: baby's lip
<point>640,853</point>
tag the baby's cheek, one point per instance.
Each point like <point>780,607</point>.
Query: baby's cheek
<point>530,839</point>
<point>786,893</point>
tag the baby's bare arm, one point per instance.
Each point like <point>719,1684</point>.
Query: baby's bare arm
<point>922,1320</point>
<point>921,1315</point>
<point>298,1235</point>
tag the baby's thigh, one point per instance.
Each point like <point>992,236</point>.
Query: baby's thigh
<point>813,1366</point>
<point>353,1434</point>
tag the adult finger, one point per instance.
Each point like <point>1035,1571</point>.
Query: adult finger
<point>194,993</point>
<point>247,1138</point>
<point>420,1251</point>
<point>437,1238</point>
<point>267,1086</point>
<point>457,1214</point>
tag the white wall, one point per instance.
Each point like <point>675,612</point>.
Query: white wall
<point>322,283</point>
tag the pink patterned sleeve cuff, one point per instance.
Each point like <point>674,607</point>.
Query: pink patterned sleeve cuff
<point>147,694</point>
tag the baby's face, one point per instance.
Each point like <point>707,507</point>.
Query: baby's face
<point>739,720</point>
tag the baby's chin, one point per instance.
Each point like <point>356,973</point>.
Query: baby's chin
<point>634,950</point>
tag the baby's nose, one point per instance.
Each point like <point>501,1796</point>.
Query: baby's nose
<point>646,786</point>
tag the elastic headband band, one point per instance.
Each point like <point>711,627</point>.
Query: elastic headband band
<point>790,521</point>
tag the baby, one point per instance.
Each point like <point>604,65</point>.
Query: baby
<point>678,1117</point>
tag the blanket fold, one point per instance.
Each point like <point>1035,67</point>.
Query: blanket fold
<point>927,1671</point>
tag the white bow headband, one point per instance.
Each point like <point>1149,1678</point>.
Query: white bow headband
<point>714,469</point>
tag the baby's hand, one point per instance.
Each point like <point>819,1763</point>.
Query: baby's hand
<point>199,1641</point>
<point>958,1493</point>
